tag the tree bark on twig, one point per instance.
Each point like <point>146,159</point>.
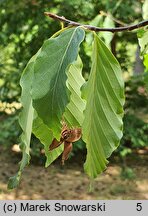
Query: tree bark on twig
<point>97,29</point>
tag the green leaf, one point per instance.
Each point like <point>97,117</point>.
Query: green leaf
<point>73,114</point>
<point>108,36</point>
<point>143,41</point>
<point>50,95</point>
<point>145,62</point>
<point>14,181</point>
<point>97,21</point>
<point>44,134</point>
<point>145,10</point>
<point>25,120</point>
<point>74,111</point>
<point>102,127</point>
<point>143,33</point>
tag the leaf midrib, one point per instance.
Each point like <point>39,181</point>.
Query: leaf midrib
<point>60,67</point>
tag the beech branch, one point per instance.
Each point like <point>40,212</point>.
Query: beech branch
<point>97,29</point>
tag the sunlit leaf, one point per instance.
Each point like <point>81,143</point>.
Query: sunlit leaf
<point>146,80</point>
<point>98,22</point>
<point>102,127</point>
<point>108,36</point>
<point>50,95</point>
<point>143,33</point>
<point>145,10</point>
<point>74,111</point>
<point>143,41</point>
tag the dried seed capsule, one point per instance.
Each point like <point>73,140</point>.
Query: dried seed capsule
<point>55,143</point>
<point>66,152</point>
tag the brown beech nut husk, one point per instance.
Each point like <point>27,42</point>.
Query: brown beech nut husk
<point>68,136</point>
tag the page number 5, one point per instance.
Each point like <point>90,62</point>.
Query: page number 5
<point>139,207</point>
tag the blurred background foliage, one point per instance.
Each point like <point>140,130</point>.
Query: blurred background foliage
<point>23,30</point>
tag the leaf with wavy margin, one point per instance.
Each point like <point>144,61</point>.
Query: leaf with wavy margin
<point>104,93</point>
<point>45,135</point>
<point>50,95</point>
<point>25,120</point>
<point>74,111</point>
<point>73,114</point>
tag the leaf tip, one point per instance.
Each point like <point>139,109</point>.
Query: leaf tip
<point>13,182</point>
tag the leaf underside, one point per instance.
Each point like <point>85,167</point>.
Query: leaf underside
<point>102,126</point>
<point>45,78</point>
<point>49,91</point>
<point>74,115</point>
<point>52,85</point>
<point>25,120</point>
<point>45,135</point>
